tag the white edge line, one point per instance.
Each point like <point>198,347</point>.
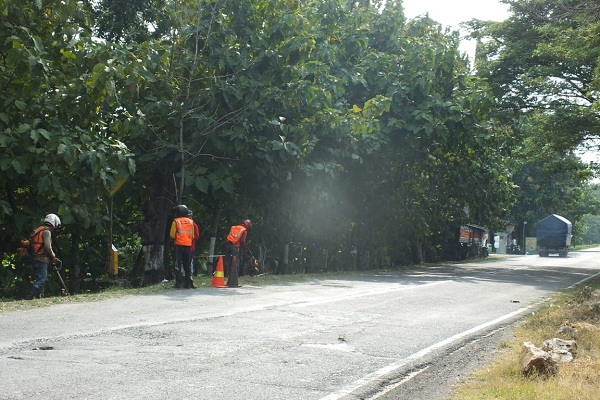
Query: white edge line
<point>402,382</point>
<point>583,280</point>
<point>415,356</point>
<point>394,366</point>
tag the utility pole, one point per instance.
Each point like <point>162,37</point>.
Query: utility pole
<point>524,226</point>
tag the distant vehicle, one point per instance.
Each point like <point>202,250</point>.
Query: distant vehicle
<point>553,235</point>
<point>468,241</point>
<point>513,249</point>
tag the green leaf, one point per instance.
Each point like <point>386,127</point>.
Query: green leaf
<point>20,105</point>
<point>276,145</point>
<point>4,140</point>
<point>18,167</point>
<point>38,44</point>
<point>85,139</point>
<point>110,88</point>
<point>5,207</point>
<point>44,133</point>
<point>227,185</point>
<point>201,184</point>
<point>4,163</point>
<point>23,128</point>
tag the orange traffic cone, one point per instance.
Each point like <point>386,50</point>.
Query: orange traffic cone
<point>219,276</point>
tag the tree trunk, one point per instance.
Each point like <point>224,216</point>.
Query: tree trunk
<point>217,207</point>
<point>284,267</point>
<point>417,252</point>
<point>75,271</point>
<point>214,242</point>
<point>154,230</point>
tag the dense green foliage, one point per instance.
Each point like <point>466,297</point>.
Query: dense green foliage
<point>590,232</point>
<point>351,136</point>
<point>542,64</point>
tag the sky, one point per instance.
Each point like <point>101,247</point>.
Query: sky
<point>452,12</point>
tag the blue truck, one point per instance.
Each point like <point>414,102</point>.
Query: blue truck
<point>553,235</point>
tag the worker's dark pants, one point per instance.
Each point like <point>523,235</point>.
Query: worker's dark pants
<point>232,258</point>
<point>183,259</point>
<point>40,270</point>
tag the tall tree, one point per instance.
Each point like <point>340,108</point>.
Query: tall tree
<point>439,156</point>
<point>542,65</point>
<point>130,21</point>
<point>545,57</point>
<point>57,134</point>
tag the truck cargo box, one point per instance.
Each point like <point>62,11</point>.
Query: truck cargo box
<point>553,235</point>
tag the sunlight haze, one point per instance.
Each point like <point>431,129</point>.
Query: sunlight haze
<point>452,13</point>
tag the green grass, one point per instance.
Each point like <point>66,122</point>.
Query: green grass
<point>116,290</point>
<point>584,246</point>
<point>7,305</point>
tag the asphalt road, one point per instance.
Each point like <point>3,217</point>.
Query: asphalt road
<point>364,337</point>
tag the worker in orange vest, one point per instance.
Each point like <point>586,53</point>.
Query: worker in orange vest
<point>236,240</point>
<point>43,253</point>
<point>182,233</point>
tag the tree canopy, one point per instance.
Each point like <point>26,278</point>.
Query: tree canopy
<point>542,66</point>
<point>343,130</point>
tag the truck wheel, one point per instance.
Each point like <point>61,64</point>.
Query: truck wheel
<point>563,254</point>
<point>543,254</point>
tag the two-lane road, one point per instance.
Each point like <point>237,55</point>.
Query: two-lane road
<point>355,337</point>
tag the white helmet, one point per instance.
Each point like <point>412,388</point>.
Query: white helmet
<point>53,220</point>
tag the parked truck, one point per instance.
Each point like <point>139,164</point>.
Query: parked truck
<point>467,241</point>
<point>553,235</point>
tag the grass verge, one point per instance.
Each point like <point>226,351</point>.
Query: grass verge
<point>116,291</point>
<point>502,379</point>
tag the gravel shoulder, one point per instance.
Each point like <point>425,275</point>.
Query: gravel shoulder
<point>438,378</point>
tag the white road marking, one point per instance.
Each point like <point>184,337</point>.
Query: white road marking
<point>583,280</point>
<point>338,346</point>
<point>366,293</point>
<point>374,376</point>
<point>402,382</point>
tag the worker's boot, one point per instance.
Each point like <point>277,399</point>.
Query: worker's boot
<point>178,278</point>
<point>33,293</point>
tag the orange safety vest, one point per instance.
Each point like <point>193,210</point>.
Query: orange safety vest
<point>235,234</point>
<point>184,234</point>
<point>37,241</point>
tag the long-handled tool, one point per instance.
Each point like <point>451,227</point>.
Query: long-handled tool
<point>255,263</point>
<point>57,267</point>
